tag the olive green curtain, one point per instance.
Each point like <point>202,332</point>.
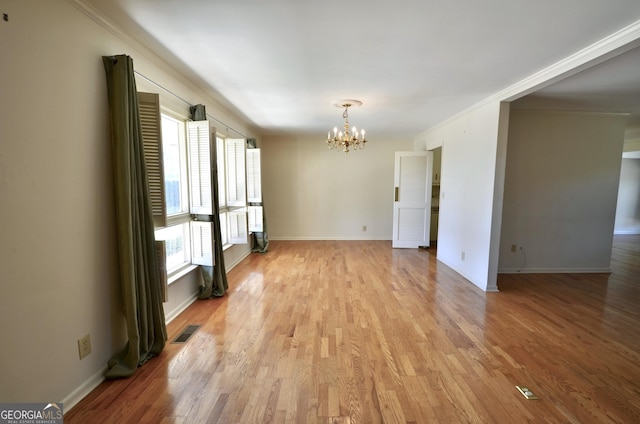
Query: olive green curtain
<point>214,278</point>
<point>139,276</point>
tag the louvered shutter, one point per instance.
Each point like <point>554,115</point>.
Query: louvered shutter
<point>149,106</point>
<point>255,218</point>
<point>200,160</point>
<point>237,222</point>
<point>236,191</point>
<point>201,142</point>
<point>254,182</point>
<point>236,176</point>
<point>201,243</point>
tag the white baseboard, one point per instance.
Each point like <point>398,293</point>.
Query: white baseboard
<point>171,315</point>
<point>83,390</point>
<point>330,238</point>
<point>627,232</point>
<point>230,266</point>
<point>555,271</point>
<point>96,379</point>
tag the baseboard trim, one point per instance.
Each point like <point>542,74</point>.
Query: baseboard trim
<point>96,379</point>
<point>627,232</point>
<point>171,315</point>
<point>329,238</point>
<point>83,390</point>
<point>181,308</point>
<point>555,271</point>
<point>229,267</point>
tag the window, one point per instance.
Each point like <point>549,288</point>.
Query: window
<point>175,165</point>
<point>232,192</point>
<point>176,233</point>
<point>179,155</point>
<point>177,246</point>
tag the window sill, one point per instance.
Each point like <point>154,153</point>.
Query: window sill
<point>180,272</point>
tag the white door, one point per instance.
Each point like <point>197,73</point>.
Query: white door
<point>412,199</point>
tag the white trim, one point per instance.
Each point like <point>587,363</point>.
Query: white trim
<point>83,390</point>
<point>171,315</point>
<point>232,265</point>
<point>329,238</point>
<point>627,232</point>
<point>615,44</point>
<point>187,268</point>
<point>573,112</point>
<point>555,271</point>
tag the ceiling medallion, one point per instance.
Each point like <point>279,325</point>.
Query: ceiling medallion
<point>346,140</point>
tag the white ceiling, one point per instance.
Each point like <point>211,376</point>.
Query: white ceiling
<point>413,63</point>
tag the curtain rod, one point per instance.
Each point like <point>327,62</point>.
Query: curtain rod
<point>188,103</point>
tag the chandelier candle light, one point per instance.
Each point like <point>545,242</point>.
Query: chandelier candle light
<point>346,139</point>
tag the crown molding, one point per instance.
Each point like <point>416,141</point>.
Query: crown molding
<point>192,82</point>
<point>619,42</point>
<point>93,14</point>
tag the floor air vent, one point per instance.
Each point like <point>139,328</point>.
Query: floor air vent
<point>186,334</point>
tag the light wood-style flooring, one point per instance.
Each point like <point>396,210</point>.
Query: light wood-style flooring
<point>357,332</point>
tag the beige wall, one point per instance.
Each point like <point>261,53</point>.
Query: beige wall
<point>58,263</point>
<point>562,177</point>
<point>314,193</point>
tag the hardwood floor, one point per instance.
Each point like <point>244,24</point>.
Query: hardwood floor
<point>356,332</point>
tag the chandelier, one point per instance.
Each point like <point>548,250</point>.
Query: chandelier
<point>349,139</point>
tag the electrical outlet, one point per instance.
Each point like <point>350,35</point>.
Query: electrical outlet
<point>364,228</point>
<point>513,247</point>
<point>84,346</point>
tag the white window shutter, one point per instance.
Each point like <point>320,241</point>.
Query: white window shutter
<point>201,142</point>
<point>202,243</point>
<point>237,222</point>
<point>254,182</point>
<point>200,146</point>
<point>255,218</point>
<point>222,185</point>
<point>224,230</point>
<point>150,124</point>
<point>236,176</point>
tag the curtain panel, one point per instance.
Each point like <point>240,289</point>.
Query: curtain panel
<point>139,275</point>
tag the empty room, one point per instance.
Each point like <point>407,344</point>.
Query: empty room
<point>320,212</point>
